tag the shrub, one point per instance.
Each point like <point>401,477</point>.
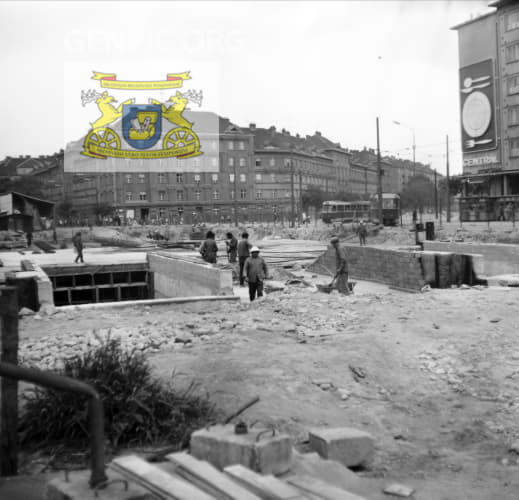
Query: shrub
<point>138,407</point>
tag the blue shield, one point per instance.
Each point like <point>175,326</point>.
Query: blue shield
<point>142,124</point>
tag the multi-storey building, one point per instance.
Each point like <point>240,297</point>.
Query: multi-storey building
<point>205,188</point>
<point>489,97</point>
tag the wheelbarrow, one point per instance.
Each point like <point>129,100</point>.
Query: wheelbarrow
<point>330,287</point>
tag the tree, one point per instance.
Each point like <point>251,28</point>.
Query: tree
<point>65,209</point>
<point>313,196</point>
<point>31,186</point>
<point>348,196</point>
<point>417,194</point>
<point>102,210</point>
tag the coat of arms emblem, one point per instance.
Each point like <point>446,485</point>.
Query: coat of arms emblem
<point>141,130</point>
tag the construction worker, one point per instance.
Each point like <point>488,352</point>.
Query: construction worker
<point>341,267</point>
<point>232,247</point>
<point>209,249</point>
<point>243,253</point>
<point>78,245</point>
<point>256,271</point>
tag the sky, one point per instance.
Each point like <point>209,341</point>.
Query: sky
<point>305,66</point>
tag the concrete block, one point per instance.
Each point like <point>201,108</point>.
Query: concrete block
<point>220,446</point>
<point>77,488</point>
<point>174,277</point>
<point>343,444</point>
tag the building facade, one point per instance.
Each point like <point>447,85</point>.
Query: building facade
<point>489,108</point>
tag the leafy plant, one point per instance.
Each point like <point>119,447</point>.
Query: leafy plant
<point>138,407</point>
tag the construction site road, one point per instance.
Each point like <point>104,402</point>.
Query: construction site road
<point>432,376</point>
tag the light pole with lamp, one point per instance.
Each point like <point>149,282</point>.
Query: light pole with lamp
<point>414,143</point>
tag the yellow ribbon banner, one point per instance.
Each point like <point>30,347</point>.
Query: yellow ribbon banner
<point>109,81</point>
<point>102,152</point>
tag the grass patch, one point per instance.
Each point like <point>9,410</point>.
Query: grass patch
<point>139,408</point>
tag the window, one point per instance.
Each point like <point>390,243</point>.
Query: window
<point>230,145</point>
<point>214,178</point>
<point>512,53</point>
<point>272,177</point>
<point>143,196</point>
<point>162,195</point>
<point>287,194</point>
<point>129,196</point>
<point>198,194</point>
<point>274,194</point>
<point>259,194</point>
<point>287,162</point>
<point>231,162</point>
<point>513,85</point>
<point>142,178</point>
<point>272,162</point>
<point>512,20</point>
<point>243,194</point>
<point>128,178</point>
<point>241,145</point>
<point>514,147</point>
<point>243,178</point>
<point>231,178</point>
<point>216,194</point>
<point>243,162</point>
<point>162,212</point>
<point>216,212</point>
<point>513,115</point>
<point>180,195</point>
<point>233,194</point>
<point>196,162</point>
<point>197,178</point>
<point>180,178</point>
<point>258,177</point>
<point>214,161</point>
<point>162,177</point>
<point>258,162</point>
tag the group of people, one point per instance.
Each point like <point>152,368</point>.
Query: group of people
<point>252,267</point>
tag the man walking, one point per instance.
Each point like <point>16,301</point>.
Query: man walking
<point>341,267</point>
<point>209,249</point>
<point>78,245</point>
<point>243,253</point>
<point>362,233</point>
<point>256,271</point>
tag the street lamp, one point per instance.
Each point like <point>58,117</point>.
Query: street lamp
<point>414,143</point>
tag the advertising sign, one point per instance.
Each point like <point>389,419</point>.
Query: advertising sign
<point>478,119</point>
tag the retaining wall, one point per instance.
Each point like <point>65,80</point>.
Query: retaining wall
<point>175,277</point>
<point>393,267</point>
<point>498,258</point>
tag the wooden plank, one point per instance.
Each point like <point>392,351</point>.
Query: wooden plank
<point>151,477</point>
<point>321,489</point>
<point>209,478</point>
<point>267,487</point>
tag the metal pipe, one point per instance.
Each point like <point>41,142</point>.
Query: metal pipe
<point>95,408</point>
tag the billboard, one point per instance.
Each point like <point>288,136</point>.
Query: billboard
<point>477,98</point>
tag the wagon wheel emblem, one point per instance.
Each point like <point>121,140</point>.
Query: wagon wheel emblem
<point>103,137</point>
<point>181,137</point>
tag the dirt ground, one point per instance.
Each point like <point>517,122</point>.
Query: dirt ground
<point>439,392</point>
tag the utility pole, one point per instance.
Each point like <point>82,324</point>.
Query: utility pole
<point>292,197</point>
<point>414,155</point>
<point>448,183</point>
<point>379,176</point>
<point>435,195</point>
<point>235,197</point>
<point>300,196</point>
